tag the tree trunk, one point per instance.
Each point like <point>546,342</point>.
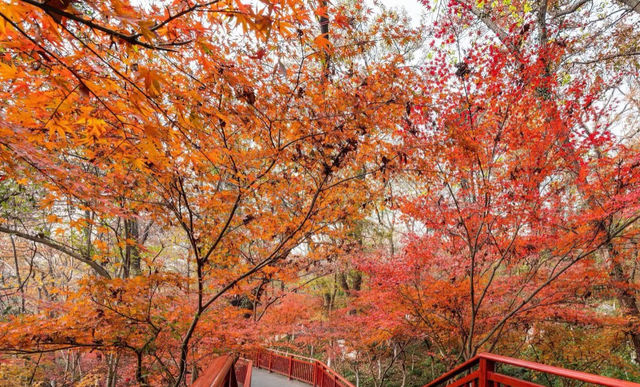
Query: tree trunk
<point>18,276</point>
<point>132,251</point>
<point>626,297</point>
<point>112,373</point>
<point>140,377</point>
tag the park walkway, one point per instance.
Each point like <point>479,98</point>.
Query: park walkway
<point>263,378</point>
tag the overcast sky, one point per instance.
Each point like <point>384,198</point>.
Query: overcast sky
<point>414,7</point>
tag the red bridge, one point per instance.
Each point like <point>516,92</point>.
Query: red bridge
<point>278,369</point>
<point>259,369</point>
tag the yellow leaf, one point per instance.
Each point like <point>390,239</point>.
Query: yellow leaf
<point>6,71</point>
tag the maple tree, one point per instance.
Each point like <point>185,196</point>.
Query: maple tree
<point>139,124</point>
<point>525,200</point>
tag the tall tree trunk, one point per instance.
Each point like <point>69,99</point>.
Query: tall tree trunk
<point>112,374</point>
<point>625,296</point>
<point>19,278</point>
<point>140,377</point>
<point>132,251</point>
<point>324,32</point>
<point>194,372</point>
<point>342,277</point>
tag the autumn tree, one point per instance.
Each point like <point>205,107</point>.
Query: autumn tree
<point>215,123</point>
<point>506,164</point>
<point>594,44</point>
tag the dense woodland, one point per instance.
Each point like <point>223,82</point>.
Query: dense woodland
<point>389,193</point>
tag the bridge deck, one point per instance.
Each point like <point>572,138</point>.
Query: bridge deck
<point>262,378</point>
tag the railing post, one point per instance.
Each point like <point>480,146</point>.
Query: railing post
<point>315,373</point>
<point>270,360</point>
<point>484,368</point>
<point>290,365</point>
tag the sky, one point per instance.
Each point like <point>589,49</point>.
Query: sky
<point>413,7</point>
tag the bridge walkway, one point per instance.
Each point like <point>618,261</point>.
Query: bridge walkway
<point>264,378</point>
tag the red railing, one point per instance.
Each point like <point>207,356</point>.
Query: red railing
<point>218,374</point>
<point>243,369</point>
<point>226,371</point>
<point>301,368</point>
<point>480,371</point>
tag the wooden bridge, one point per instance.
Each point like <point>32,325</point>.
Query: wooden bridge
<point>279,369</point>
<point>270,369</point>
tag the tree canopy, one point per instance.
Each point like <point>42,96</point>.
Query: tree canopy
<point>181,179</point>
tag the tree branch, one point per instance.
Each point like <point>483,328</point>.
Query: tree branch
<point>59,247</point>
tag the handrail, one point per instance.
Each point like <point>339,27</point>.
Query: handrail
<point>245,378</point>
<point>577,375</point>
<point>454,371</point>
<point>486,373</point>
<point>249,373</point>
<point>302,368</point>
<point>285,353</point>
<point>334,373</point>
<point>218,374</point>
<point>312,360</point>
